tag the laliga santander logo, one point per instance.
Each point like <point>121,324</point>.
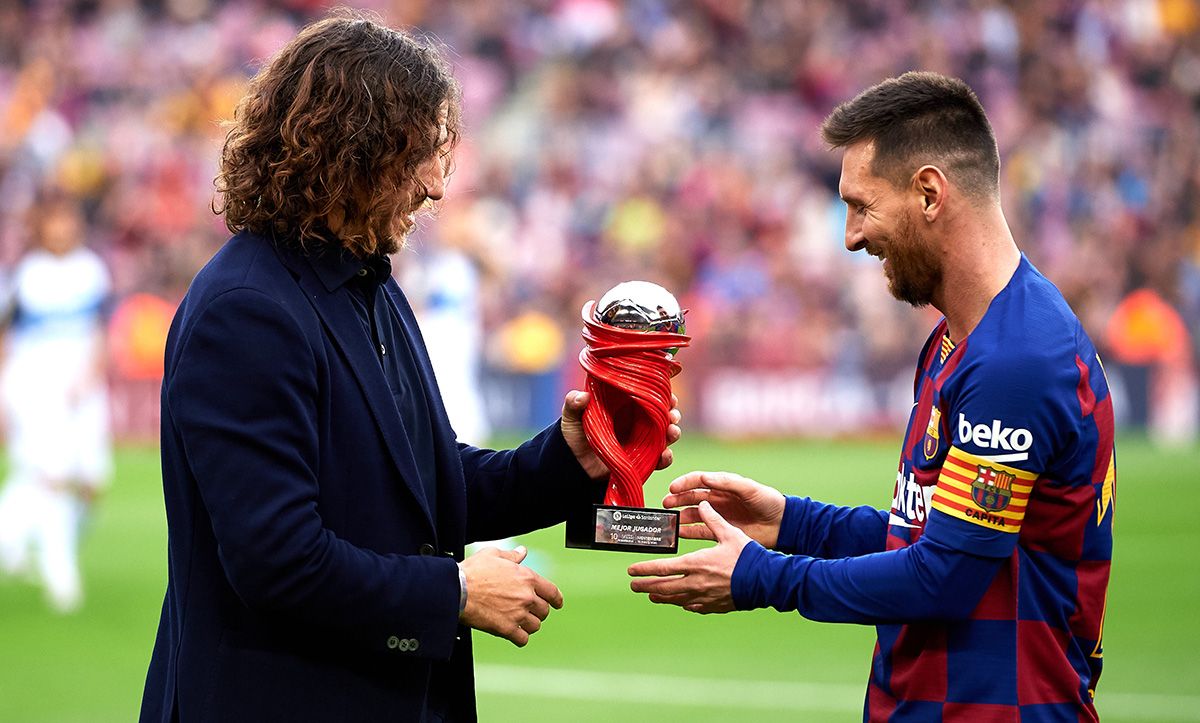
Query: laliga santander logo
<point>996,436</point>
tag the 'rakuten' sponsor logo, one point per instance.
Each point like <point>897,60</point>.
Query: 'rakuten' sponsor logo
<point>911,502</point>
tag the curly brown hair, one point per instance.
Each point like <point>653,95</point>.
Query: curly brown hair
<point>337,127</point>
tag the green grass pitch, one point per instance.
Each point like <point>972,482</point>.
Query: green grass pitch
<point>612,655</point>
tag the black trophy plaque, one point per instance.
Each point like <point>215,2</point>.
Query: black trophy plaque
<point>624,529</point>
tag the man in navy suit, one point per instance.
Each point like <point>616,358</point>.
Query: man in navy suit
<point>317,502</point>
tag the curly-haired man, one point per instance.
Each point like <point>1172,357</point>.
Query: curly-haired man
<point>318,504</point>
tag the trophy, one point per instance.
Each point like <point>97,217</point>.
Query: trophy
<point>631,337</point>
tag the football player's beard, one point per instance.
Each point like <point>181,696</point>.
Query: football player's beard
<point>912,266</point>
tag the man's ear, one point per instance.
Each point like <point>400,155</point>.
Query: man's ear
<point>931,183</point>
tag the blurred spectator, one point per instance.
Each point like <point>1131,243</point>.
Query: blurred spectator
<point>442,281</point>
<point>55,402</point>
<point>137,337</point>
<point>527,352</point>
<point>653,138</point>
<point>1151,353</point>
<point>138,334</point>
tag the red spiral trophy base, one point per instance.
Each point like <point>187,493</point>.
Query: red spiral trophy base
<point>629,377</point>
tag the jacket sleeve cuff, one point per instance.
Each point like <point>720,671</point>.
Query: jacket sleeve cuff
<point>560,452</point>
<point>436,634</point>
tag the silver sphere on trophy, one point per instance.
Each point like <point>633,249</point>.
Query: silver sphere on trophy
<point>640,306</point>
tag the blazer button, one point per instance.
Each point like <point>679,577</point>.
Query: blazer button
<point>426,549</point>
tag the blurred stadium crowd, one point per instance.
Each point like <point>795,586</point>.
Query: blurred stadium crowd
<point>672,140</point>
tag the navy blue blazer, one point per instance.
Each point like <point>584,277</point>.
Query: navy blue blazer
<point>308,577</point>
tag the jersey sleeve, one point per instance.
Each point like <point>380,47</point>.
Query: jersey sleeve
<point>1007,423</point>
<point>989,497</point>
<point>814,528</point>
<point>925,581</point>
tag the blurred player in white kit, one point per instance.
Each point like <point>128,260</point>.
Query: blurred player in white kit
<point>444,285</point>
<point>55,402</point>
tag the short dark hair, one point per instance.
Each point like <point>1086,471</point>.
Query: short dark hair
<point>341,119</point>
<point>919,118</point>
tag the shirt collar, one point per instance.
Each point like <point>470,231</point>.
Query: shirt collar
<point>336,267</point>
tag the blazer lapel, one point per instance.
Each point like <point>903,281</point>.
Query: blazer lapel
<point>338,315</point>
<point>451,481</point>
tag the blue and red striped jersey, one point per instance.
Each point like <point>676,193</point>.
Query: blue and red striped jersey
<point>1008,454</point>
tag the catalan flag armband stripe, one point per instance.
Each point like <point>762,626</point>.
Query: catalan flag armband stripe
<point>983,492</point>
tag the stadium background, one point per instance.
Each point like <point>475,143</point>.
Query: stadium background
<point>675,141</point>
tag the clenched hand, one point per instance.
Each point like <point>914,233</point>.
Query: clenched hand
<point>504,598</point>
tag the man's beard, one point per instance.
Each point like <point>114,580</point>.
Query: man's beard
<point>390,244</point>
<point>402,224</point>
<point>914,270</point>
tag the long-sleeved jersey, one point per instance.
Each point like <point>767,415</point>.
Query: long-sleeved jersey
<point>988,576</point>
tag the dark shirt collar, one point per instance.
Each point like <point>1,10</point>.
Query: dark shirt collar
<point>335,267</point>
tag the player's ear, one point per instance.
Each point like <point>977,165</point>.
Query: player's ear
<point>931,184</point>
